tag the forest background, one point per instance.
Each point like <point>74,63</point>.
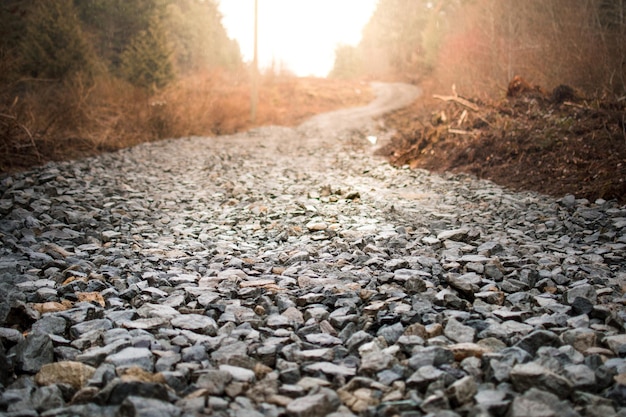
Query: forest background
<point>78,77</point>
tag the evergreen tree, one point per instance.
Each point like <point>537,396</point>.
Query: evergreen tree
<point>199,38</point>
<point>393,35</point>
<point>348,62</point>
<point>147,60</point>
<point>53,44</point>
<point>113,24</point>
<point>12,21</point>
<point>403,36</point>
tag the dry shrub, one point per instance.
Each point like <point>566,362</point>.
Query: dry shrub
<point>201,104</point>
<point>218,103</point>
<point>33,114</point>
<point>49,120</point>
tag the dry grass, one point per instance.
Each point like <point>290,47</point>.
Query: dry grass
<point>43,121</point>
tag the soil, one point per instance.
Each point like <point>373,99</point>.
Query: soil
<point>555,143</point>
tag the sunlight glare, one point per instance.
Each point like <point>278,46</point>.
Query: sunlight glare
<point>300,35</point>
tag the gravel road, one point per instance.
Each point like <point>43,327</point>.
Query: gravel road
<point>288,272</point>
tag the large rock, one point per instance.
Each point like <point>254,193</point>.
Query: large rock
<point>134,406</point>
<point>537,402</point>
<point>33,352</point>
<point>75,374</point>
<point>532,375</point>
<point>459,332</point>
<point>132,356</point>
<point>316,405</point>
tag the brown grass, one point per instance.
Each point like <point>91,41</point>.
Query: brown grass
<point>43,121</point>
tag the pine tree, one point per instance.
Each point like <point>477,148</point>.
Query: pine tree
<point>53,44</point>
<point>113,24</point>
<point>147,60</point>
<point>199,37</point>
<point>348,62</point>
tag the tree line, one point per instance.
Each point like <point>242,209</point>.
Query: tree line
<point>480,45</point>
<point>78,77</point>
<point>146,42</point>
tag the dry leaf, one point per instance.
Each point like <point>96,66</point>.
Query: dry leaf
<point>49,307</point>
<point>91,297</point>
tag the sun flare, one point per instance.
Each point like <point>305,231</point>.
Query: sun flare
<point>297,35</point>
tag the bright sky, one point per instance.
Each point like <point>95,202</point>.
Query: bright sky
<point>300,34</point>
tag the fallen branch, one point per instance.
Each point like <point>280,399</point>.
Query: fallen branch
<point>462,119</point>
<point>460,132</point>
<point>459,100</point>
<point>578,106</point>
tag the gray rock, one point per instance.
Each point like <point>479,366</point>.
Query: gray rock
<point>95,356</point>
<point>82,410</point>
<point>537,339</point>
<point>585,291</point>
<point>195,322</point>
<point>376,361</point>
<point>134,406</point>
<point>462,391</point>
<point>80,329</point>
<point>195,353</point>
<point>330,368</point>
<point>11,336</point>
<point>424,376</point>
<point>616,343</point>
<point>316,405</point>
<point>132,356</point>
<point>231,353</point>
<point>238,373</point>
<point>150,310</point>
<point>357,339</point>
<point>33,352</point>
<point>430,355</point>
<point>117,391</point>
<point>323,339</point>
<point>493,401</point>
<point>581,376</point>
<point>214,381</point>
<point>533,375</point>
<point>50,325</point>
<point>459,235</point>
<point>458,332</point>
<point>391,333</point>
<point>536,402</point>
<point>467,283</point>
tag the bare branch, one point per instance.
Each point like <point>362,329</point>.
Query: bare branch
<point>459,100</point>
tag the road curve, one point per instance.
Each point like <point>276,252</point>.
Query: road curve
<point>389,97</point>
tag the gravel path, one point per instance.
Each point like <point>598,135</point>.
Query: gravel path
<point>288,272</point>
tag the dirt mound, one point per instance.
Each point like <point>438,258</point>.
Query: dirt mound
<point>555,143</point>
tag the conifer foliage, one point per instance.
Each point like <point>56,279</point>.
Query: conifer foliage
<point>134,40</point>
<point>147,60</point>
<point>53,44</point>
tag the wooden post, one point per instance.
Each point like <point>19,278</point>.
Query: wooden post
<point>254,99</point>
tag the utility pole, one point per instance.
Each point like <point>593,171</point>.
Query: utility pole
<point>254,99</point>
